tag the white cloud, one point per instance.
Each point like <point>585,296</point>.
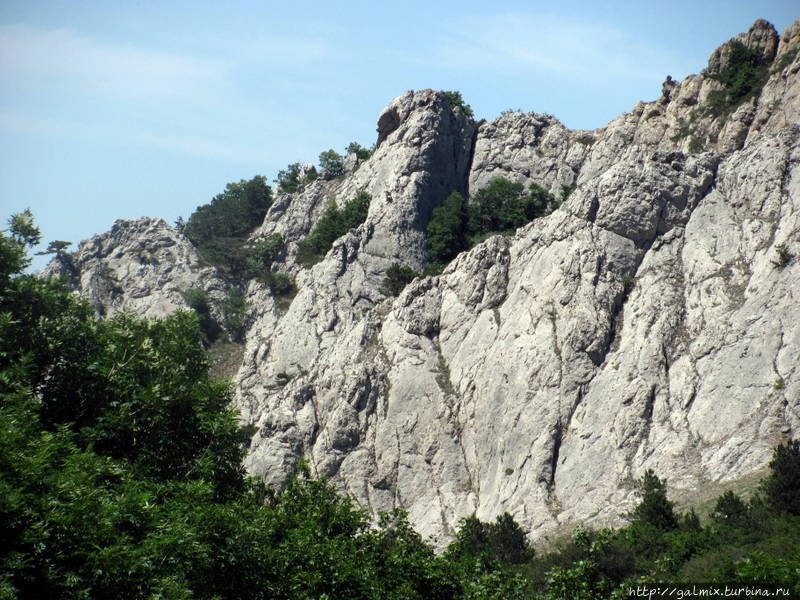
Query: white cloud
<point>59,60</point>
<point>547,45</point>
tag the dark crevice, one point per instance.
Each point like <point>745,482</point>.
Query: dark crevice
<point>557,438</point>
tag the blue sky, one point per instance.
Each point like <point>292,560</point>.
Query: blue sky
<point>118,109</point>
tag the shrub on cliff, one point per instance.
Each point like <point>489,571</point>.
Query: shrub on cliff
<point>742,78</point>
<point>219,229</point>
<point>455,100</point>
<point>499,207</point>
<point>332,225</point>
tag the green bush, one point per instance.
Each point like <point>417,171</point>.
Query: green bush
<point>333,224</point>
<point>281,284</point>
<point>197,299</point>
<point>220,229</point>
<point>500,207</point>
<point>331,163</point>
<point>396,278</point>
<point>234,310</point>
<point>357,149</point>
<point>454,100</point>
<point>446,232</point>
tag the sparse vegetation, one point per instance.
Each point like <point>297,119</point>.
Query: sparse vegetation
<point>696,144</point>
<point>742,79</point>
<point>784,256</point>
<point>785,60</point>
<point>396,278</point>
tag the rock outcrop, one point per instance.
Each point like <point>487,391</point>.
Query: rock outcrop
<point>649,322</point>
<point>142,267</point>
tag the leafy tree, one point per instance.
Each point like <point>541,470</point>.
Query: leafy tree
<point>332,225</point>
<point>359,150</point>
<point>782,486</point>
<point>220,229</point>
<point>455,100</point>
<point>331,163</point>
<point>446,232</point>
<point>288,179</point>
<point>56,247</point>
<point>654,508</point>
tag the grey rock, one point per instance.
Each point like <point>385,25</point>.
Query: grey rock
<point>141,266</point>
<point>646,323</point>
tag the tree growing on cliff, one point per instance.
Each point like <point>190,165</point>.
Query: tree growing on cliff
<point>783,483</point>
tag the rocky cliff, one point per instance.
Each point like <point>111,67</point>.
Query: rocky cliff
<point>649,322</point>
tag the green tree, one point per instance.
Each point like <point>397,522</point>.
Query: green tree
<point>503,541</point>
<point>331,163</point>
<point>359,150</point>
<point>455,100</point>
<point>56,247</point>
<point>446,232</point>
<point>288,179</point>
<point>219,230</point>
<point>654,508</point>
<point>730,510</point>
<point>782,486</point>
<point>332,225</point>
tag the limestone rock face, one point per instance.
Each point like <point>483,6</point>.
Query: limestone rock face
<point>649,322</point>
<point>140,266</point>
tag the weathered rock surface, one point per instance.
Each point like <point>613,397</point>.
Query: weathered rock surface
<point>649,322</point>
<point>140,266</point>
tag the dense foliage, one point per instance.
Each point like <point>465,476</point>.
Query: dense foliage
<point>500,207</point>
<point>121,477</point>
<point>220,229</point>
<point>333,224</point>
